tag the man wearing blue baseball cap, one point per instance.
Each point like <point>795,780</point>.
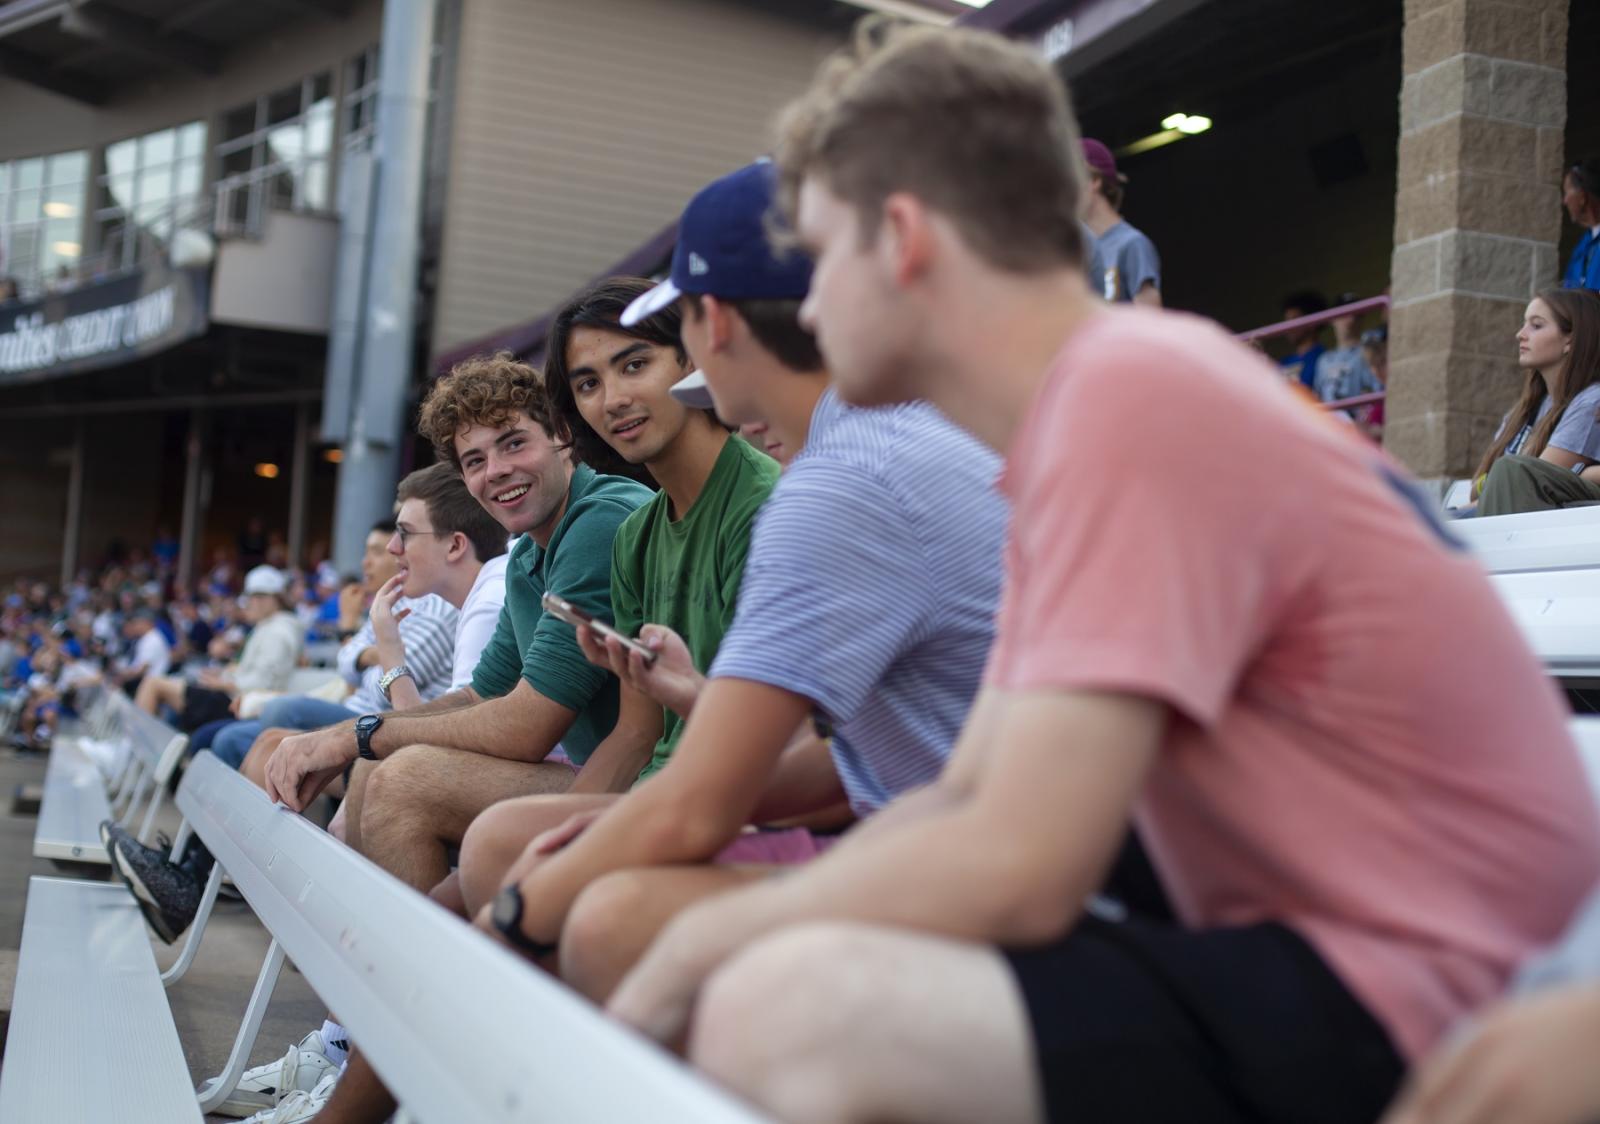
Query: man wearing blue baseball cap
<point>866,607</point>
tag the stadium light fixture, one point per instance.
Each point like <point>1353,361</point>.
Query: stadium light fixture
<point>66,249</point>
<point>1174,127</point>
<point>55,209</point>
<point>1186,123</point>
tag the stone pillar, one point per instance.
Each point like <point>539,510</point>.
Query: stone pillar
<point>1477,215</point>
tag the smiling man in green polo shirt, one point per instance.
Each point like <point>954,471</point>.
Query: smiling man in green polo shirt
<point>442,764</point>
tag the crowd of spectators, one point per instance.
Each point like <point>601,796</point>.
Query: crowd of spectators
<point>1099,799</point>
<point>129,619</point>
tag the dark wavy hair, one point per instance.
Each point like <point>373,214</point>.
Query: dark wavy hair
<point>600,307</point>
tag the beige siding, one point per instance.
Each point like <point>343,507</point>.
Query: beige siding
<point>582,126</point>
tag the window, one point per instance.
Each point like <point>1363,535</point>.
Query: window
<point>274,153</point>
<point>361,98</point>
<point>41,219</point>
<point>151,186</point>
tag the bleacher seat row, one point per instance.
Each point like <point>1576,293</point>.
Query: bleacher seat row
<point>395,967</point>
<point>76,798</point>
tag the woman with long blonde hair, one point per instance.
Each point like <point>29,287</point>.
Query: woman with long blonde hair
<point>1552,435</point>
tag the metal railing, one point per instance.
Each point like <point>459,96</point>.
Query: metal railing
<point>1284,327</point>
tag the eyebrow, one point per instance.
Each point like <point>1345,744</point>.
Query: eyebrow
<point>627,352</point>
<point>512,432</point>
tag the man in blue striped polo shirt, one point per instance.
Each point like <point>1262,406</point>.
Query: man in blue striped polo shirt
<point>867,602</point>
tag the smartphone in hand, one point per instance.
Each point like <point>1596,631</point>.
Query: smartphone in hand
<point>564,610</point>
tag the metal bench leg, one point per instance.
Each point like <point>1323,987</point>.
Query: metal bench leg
<point>180,841</point>
<point>134,796</point>
<point>150,814</point>
<point>197,927</point>
<point>216,1090</point>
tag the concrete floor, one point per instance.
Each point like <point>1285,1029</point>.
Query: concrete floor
<point>208,1003</point>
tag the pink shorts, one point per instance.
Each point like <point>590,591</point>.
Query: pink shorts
<point>787,847</point>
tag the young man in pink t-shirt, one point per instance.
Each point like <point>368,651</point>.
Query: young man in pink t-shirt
<point>1225,617</point>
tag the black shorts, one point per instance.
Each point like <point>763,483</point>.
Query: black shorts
<point>1141,1022</point>
<point>202,705</point>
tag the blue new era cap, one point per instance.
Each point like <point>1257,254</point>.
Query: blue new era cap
<point>723,249</point>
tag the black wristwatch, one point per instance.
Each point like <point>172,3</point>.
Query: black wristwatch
<point>366,726</point>
<point>507,917</point>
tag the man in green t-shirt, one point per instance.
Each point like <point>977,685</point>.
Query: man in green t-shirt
<point>676,561</point>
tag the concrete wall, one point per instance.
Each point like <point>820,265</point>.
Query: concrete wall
<point>582,128</point>
<point>34,459</point>
<point>284,281</point>
<point>1477,217</point>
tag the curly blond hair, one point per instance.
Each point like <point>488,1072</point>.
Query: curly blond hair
<point>483,390</point>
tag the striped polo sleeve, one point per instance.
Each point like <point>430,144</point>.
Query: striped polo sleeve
<point>836,587</point>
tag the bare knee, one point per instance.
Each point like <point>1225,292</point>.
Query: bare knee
<point>602,936</point>
<point>396,794</point>
<point>495,839</point>
<point>769,1024</point>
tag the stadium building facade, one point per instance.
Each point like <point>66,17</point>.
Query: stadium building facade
<point>244,235</point>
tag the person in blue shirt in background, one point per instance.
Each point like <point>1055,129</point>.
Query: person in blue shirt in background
<point>1580,194</point>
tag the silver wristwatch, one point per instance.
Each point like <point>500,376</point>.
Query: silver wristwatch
<point>396,672</point>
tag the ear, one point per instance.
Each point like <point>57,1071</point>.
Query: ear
<point>719,322</point>
<point>907,237</point>
<point>459,545</point>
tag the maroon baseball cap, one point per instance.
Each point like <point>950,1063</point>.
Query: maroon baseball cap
<point>1099,157</point>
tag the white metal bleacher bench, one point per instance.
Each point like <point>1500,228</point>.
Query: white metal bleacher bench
<point>457,1027</point>
<point>1568,539</point>
<point>76,798</point>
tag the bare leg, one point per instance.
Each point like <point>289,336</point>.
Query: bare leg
<point>254,765</point>
<point>422,799</point>
<point>154,690</point>
<point>497,838</point>
<point>359,775</point>
<point>359,1097</point>
<point>614,920</point>
<point>831,1022</point>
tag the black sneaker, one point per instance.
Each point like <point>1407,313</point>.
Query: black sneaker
<point>168,894</point>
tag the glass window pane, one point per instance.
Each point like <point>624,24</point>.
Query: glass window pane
<point>286,143</point>
<point>24,206</point>
<point>30,173</point>
<point>239,122</point>
<point>237,162</point>
<point>322,86</point>
<point>192,139</point>
<point>281,187</point>
<point>319,128</point>
<point>5,180</point>
<point>123,188</point>
<point>155,187</point>
<point>64,201</point>
<point>159,148</point>
<point>188,178</point>
<point>69,167</point>
<point>120,157</point>
<point>315,186</point>
<point>283,105</point>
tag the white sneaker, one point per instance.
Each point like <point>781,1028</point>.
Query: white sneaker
<point>299,1106</point>
<point>264,1087</point>
<point>107,756</point>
